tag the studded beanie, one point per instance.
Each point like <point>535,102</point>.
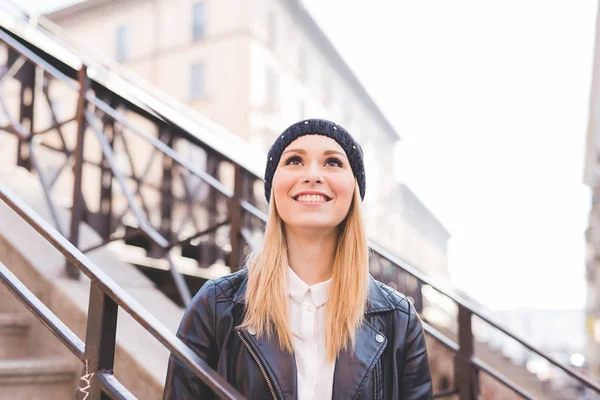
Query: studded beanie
<point>316,127</point>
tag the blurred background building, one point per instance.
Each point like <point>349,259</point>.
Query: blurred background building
<point>592,179</point>
<point>255,67</point>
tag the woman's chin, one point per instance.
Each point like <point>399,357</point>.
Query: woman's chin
<point>312,224</point>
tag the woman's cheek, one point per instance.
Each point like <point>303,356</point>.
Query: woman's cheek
<point>345,187</point>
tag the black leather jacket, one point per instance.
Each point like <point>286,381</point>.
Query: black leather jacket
<point>395,368</point>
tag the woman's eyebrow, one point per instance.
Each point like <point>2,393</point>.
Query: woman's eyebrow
<point>326,152</point>
<point>295,151</point>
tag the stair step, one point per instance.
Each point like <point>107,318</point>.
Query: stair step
<point>15,323</point>
<point>8,302</point>
<point>14,332</point>
<point>37,379</point>
<point>36,370</point>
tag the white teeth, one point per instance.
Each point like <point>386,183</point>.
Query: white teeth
<point>312,198</point>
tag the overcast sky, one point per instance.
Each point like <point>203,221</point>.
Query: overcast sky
<point>491,100</point>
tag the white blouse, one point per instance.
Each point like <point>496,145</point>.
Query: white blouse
<point>306,310</point>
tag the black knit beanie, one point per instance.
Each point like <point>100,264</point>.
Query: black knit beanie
<point>316,127</point>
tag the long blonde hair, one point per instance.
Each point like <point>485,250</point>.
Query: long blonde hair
<point>266,292</point>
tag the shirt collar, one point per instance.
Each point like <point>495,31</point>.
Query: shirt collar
<point>297,289</point>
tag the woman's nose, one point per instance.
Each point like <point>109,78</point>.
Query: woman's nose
<point>314,173</point>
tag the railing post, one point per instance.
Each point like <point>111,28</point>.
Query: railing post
<point>27,96</point>
<point>104,225</point>
<point>78,167</point>
<point>208,254</point>
<point>418,297</point>
<point>100,339</point>
<point>235,213</point>
<point>466,376</point>
<point>166,186</point>
<point>165,189</point>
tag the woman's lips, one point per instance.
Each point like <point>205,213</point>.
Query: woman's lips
<point>311,199</point>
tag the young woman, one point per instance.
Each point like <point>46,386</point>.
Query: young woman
<point>305,320</point>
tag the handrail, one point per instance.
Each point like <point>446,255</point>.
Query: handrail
<point>480,314</point>
<point>111,289</point>
<point>43,313</point>
<point>30,55</point>
<point>113,387</point>
<point>482,366</point>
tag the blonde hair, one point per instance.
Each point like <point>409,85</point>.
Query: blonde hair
<point>266,292</point>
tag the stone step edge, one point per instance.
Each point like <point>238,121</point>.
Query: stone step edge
<point>14,323</point>
<point>36,370</point>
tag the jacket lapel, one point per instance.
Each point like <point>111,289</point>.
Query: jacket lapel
<point>354,366</point>
<point>279,365</point>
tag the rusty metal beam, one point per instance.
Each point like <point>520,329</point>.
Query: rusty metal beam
<point>182,287</point>
<point>466,376</point>
<point>100,339</point>
<point>27,101</point>
<point>235,214</point>
<point>209,230</point>
<point>77,208</point>
<point>45,188</point>
<point>167,201</point>
<point>128,235</point>
<point>103,222</point>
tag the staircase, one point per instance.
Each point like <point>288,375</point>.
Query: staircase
<point>32,365</point>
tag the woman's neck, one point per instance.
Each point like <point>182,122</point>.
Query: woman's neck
<point>310,255</point>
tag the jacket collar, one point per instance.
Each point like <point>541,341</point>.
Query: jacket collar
<point>377,301</point>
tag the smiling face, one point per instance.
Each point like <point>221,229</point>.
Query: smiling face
<point>313,184</point>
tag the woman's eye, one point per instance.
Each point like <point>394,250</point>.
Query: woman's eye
<point>334,162</point>
<point>293,160</point>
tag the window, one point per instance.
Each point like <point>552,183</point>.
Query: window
<point>197,81</point>
<point>271,30</point>
<point>123,42</point>
<point>199,20</point>
<point>272,87</point>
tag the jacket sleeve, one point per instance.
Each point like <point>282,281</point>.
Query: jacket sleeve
<point>197,330</point>
<point>415,375</point>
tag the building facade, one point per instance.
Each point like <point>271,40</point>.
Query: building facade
<point>592,180</point>
<point>254,67</point>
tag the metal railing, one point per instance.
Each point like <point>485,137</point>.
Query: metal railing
<point>106,297</point>
<point>233,211</point>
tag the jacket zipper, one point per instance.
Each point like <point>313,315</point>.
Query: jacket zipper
<point>259,365</point>
<point>375,386</point>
